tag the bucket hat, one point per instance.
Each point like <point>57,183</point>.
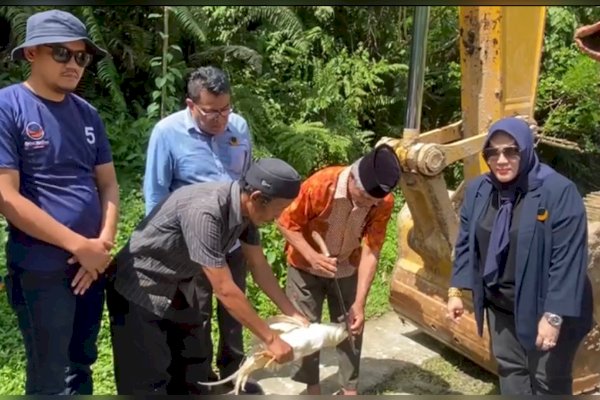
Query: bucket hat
<point>55,26</point>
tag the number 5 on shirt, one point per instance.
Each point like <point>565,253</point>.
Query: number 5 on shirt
<point>89,135</point>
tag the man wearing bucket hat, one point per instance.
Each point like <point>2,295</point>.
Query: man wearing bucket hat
<point>60,197</point>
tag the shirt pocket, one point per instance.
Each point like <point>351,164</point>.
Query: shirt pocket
<point>235,159</point>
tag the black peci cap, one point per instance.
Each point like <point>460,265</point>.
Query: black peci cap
<point>379,171</point>
<point>274,178</point>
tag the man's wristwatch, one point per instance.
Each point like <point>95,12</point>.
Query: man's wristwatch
<point>553,319</point>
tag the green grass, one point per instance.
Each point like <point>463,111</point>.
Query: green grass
<point>12,356</point>
<point>451,373</point>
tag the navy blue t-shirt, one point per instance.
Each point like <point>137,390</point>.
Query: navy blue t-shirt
<point>55,146</point>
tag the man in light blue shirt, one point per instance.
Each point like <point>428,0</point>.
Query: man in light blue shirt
<point>185,149</point>
<point>205,142</point>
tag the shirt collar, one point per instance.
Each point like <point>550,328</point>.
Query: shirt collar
<point>341,188</point>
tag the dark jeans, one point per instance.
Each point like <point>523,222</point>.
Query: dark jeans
<point>59,329</point>
<point>533,372</point>
<point>308,293</point>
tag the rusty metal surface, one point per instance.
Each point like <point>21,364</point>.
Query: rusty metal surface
<point>500,51</point>
<point>481,84</point>
<point>592,206</point>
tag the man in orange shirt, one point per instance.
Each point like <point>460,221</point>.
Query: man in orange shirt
<point>349,206</point>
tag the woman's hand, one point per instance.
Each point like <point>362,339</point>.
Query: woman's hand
<point>455,309</point>
<point>547,335</point>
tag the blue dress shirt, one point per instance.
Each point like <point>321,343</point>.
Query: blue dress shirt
<point>179,154</point>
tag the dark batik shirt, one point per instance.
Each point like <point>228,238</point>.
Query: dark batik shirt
<point>192,228</point>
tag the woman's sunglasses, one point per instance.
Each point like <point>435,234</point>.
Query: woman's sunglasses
<point>493,153</point>
<point>63,55</point>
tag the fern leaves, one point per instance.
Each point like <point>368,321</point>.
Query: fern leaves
<point>242,53</point>
<point>107,71</point>
<point>283,19</point>
<point>188,21</point>
<point>18,21</point>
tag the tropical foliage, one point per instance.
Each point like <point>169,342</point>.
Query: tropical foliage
<point>317,84</point>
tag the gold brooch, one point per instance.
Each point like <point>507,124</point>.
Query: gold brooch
<point>542,214</point>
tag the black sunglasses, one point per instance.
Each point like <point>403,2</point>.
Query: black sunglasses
<point>508,151</point>
<point>63,55</point>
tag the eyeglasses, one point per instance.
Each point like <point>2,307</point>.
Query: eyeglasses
<point>493,153</point>
<point>215,114</point>
<point>63,55</point>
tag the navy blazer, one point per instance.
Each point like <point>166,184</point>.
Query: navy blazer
<point>551,258</point>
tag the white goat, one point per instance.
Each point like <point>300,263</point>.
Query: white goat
<point>304,340</point>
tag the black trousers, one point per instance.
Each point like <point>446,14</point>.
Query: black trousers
<point>308,292</point>
<point>145,344</point>
<point>533,372</point>
<point>170,354</point>
<point>59,329</point>
<point>230,353</point>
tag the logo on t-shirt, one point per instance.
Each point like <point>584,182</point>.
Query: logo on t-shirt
<point>35,132</point>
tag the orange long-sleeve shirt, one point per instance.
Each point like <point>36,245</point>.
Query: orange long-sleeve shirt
<point>323,205</point>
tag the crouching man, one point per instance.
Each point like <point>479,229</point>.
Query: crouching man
<point>349,206</point>
<point>163,276</point>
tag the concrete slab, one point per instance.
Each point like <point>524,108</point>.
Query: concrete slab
<point>390,346</point>
<point>386,350</point>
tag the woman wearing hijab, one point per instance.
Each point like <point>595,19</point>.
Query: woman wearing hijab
<point>522,252</point>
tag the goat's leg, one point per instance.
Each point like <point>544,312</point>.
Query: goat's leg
<point>269,362</point>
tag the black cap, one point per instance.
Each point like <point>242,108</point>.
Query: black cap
<point>379,171</point>
<point>274,178</point>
